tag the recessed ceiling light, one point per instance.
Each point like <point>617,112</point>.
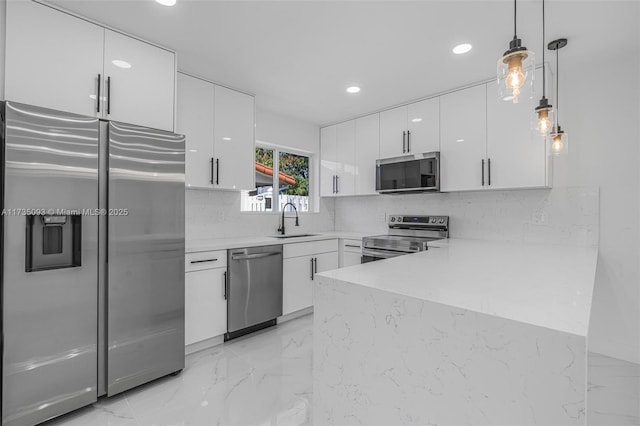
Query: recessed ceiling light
<point>121,64</point>
<point>459,140</point>
<point>462,48</point>
<point>226,139</point>
<point>353,89</point>
<point>167,2</point>
<point>508,98</point>
<point>416,120</point>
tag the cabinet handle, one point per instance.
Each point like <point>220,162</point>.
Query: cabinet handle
<point>489,170</point>
<point>205,260</point>
<point>404,136</point>
<point>337,186</point>
<point>315,265</point>
<point>408,141</point>
<point>224,287</point>
<point>212,172</point>
<point>483,172</point>
<point>108,95</point>
<point>99,84</point>
<point>335,178</point>
<point>217,171</point>
<point>352,245</point>
<point>311,268</point>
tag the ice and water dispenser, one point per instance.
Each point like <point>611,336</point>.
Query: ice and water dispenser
<point>53,242</point>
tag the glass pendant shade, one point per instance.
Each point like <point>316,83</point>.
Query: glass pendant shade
<point>515,72</point>
<point>543,118</point>
<point>559,141</point>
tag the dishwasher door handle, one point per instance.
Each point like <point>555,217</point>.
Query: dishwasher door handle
<point>253,256</point>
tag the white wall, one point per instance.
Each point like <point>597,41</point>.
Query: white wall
<point>600,109</point>
<point>3,34</point>
<point>216,214</point>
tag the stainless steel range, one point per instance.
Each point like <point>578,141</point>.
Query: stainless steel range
<point>407,234</point>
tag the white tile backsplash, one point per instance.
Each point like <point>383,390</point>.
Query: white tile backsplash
<point>564,215</point>
<point>216,214</point>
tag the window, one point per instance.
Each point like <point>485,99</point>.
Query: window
<point>289,174</point>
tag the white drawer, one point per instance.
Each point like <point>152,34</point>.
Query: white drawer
<point>351,246</point>
<point>311,247</point>
<point>205,260</point>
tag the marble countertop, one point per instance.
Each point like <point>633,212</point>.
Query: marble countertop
<point>206,244</point>
<point>545,285</point>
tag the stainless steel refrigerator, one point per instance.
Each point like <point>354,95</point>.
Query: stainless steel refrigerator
<point>92,259</point>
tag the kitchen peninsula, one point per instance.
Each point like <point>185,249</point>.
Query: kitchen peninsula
<point>467,332</point>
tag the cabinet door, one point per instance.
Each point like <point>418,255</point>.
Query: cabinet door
<point>462,139</point>
<point>328,153</point>
<point>296,284</point>
<point>52,59</point>
<point>518,155</point>
<point>351,259</point>
<point>142,82</point>
<point>424,126</point>
<point>326,261</point>
<point>205,305</point>
<point>234,146</point>
<point>345,158</point>
<point>367,152</point>
<point>393,123</point>
<point>195,120</point>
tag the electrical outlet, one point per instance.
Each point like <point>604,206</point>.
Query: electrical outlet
<point>539,218</point>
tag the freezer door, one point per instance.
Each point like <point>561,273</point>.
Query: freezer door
<point>49,316</point>
<point>145,277</point>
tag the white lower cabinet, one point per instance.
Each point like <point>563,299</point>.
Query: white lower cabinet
<point>302,261</point>
<point>205,299</point>
<point>350,252</point>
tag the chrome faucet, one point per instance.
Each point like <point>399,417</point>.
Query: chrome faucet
<point>281,229</point>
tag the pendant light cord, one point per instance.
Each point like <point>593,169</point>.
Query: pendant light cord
<point>514,20</point>
<point>544,74</point>
<point>557,89</point>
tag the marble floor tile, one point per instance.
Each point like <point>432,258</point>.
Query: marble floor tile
<point>265,379</point>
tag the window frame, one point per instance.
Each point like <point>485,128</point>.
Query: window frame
<point>277,149</point>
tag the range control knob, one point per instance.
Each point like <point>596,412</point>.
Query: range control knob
<point>393,219</point>
<point>441,220</point>
<point>433,220</point>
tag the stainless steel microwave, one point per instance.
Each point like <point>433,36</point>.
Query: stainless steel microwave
<point>409,173</point>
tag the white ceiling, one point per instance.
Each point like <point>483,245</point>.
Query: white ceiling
<point>298,57</point>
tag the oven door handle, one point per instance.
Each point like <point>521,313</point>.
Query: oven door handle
<point>384,253</point>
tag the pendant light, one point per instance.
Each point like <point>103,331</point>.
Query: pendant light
<point>544,111</point>
<point>559,138</point>
<point>515,67</point>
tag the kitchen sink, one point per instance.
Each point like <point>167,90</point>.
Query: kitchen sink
<point>294,236</point>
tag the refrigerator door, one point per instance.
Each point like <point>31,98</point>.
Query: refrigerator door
<point>145,277</point>
<point>49,316</point>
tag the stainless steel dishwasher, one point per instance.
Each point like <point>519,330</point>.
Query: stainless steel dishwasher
<point>254,289</point>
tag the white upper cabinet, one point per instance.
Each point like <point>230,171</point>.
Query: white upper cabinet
<point>463,144</point>
<point>219,127</point>
<point>410,129</point>
<point>366,153</point>
<point>58,61</point>
<point>52,59</point>
<point>345,158</point>
<point>393,132</point>
<point>328,165</point>
<point>517,155</point>
<point>423,126</point>
<point>140,82</point>
<point>234,146</point>
<point>195,120</point>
